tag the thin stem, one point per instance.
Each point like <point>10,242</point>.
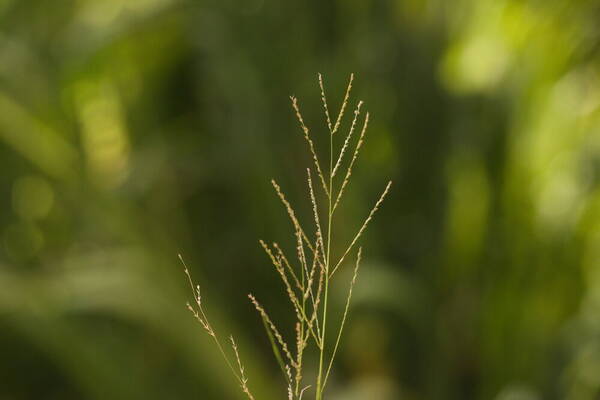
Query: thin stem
<point>363,227</point>
<point>341,330</point>
<point>201,317</point>
<point>319,394</point>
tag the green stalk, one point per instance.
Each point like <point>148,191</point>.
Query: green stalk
<point>319,393</point>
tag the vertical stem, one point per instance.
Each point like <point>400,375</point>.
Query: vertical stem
<point>319,393</point>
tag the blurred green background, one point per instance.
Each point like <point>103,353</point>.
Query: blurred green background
<point>133,130</point>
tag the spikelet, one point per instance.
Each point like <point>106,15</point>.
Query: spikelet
<point>289,375</point>
<point>310,275</point>
<point>290,293</point>
<point>354,157</point>
<point>314,320</point>
<point>301,255</point>
<point>265,316</point>
<point>298,308</point>
<point>287,264</point>
<point>324,99</point>
<point>276,261</point>
<point>344,103</point>
<point>347,140</point>
<point>243,379</point>
<point>315,314</point>
<point>310,144</point>
<point>291,214</point>
<point>300,346</point>
<point>315,211</point>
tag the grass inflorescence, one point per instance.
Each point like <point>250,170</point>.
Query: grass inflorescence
<point>307,280</point>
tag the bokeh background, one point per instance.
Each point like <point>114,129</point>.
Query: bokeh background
<point>133,130</point>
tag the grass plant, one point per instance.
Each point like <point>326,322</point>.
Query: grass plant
<point>307,280</point>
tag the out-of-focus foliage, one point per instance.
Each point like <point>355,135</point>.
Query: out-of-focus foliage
<point>131,130</point>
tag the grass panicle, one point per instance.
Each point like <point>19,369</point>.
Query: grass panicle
<point>198,311</point>
<point>307,279</point>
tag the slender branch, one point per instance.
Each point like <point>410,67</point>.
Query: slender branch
<point>292,215</point>
<point>277,264</point>
<point>363,227</point>
<point>310,145</point>
<point>315,210</point>
<point>309,291</point>
<point>348,137</point>
<point>274,329</point>
<point>200,316</point>
<point>339,336</point>
<point>324,99</point>
<point>343,107</point>
<point>354,157</point>
<point>243,379</point>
